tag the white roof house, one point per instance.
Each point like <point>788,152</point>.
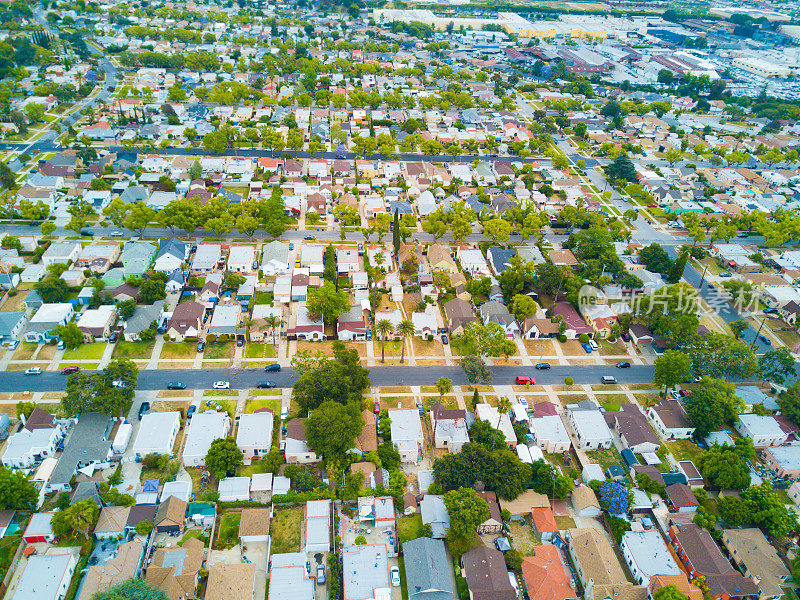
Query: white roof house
<point>157,433</point>
<point>289,579</point>
<point>406,432</point>
<point>27,447</point>
<point>204,428</point>
<point>275,258</point>
<point>647,555</point>
<point>180,489</point>
<point>61,252</point>
<point>45,577</point>
<point>254,435</point>
<point>206,258</point>
<point>501,422</point>
<point>311,257</point>
<point>550,434</point>
<point>425,323</point>
<point>472,261</point>
<point>317,525</point>
<point>763,430</point>
<point>240,258</point>
<point>234,489</point>
<point>590,428</point>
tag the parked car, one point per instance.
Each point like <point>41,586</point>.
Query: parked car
<point>265,385</point>
<point>625,337</point>
<point>770,311</point>
<point>675,395</point>
<point>190,411</point>
<point>87,232</point>
<point>33,371</point>
<point>112,339</point>
<point>117,234</point>
<point>725,274</point>
<point>13,344</point>
<point>308,237</point>
<point>201,346</point>
<point>222,385</point>
<point>143,409</point>
<point>586,347</point>
<point>239,342</point>
<point>445,341</point>
<point>543,366</point>
<point>284,412</point>
<point>525,379</point>
<point>61,345</point>
<point>395,574</point>
<point>683,393</point>
<point>69,370</point>
<point>594,345</point>
<point>291,246</point>
<point>624,365</point>
<point>176,385</point>
<point>320,574</point>
<point>522,401</point>
<point>765,340</point>
<point>273,368</point>
<point>420,408</point>
<point>608,379</point>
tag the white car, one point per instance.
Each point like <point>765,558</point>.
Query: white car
<point>12,345</point>
<point>33,371</point>
<point>594,345</point>
<point>222,385</point>
<point>116,234</point>
<point>394,572</point>
<point>522,401</point>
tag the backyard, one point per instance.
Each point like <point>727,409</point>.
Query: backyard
<point>285,530</point>
<point>228,535</point>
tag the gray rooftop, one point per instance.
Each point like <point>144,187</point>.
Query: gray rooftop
<point>788,457</point>
<point>650,553</point>
<point>429,571</point>
<point>364,568</point>
<point>289,579</point>
<point>87,443</point>
<point>42,577</point>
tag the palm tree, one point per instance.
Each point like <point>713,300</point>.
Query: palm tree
<point>404,329</point>
<point>383,327</point>
<point>273,322</point>
<point>503,406</point>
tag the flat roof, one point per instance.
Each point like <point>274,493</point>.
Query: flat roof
<point>155,431</point>
<point>204,428</point>
<point>288,578</point>
<point>255,429</point>
<point>650,553</point>
<point>42,576</point>
<point>364,568</point>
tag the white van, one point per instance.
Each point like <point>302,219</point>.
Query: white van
<point>608,379</point>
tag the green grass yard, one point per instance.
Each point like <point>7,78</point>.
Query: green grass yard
<point>285,530</point>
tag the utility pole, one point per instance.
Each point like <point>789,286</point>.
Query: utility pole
<point>753,345</point>
<point>700,287</point>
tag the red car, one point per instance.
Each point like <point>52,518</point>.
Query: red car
<point>68,370</point>
<point>683,392</point>
<point>523,379</point>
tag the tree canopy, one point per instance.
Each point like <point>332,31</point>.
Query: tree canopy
<point>712,404</point>
<point>224,457</point>
<point>132,589</point>
<point>16,491</point>
<point>340,379</point>
<point>98,392</point>
<point>332,428</point>
<point>467,510</point>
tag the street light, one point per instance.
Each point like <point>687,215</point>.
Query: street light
<point>700,287</point>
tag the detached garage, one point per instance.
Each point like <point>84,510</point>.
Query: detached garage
<point>38,529</point>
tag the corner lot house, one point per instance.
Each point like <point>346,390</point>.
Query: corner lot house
<point>407,434</point>
<point>204,428</point>
<point>45,577</point>
<point>254,435</point>
<point>157,433</point>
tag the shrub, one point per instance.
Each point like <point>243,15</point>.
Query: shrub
<point>562,337</point>
<point>583,338</point>
<point>568,380</point>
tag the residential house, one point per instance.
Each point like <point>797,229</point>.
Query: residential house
<point>98,258</point>
<point>45,577</point>
<point>38,529</point>
<point>589,426</point>
<point>440,259</point>
<point>756,558</point>
<point>365,572</point>
<point>234,489</point>
<point>406,434</point>
<point>26,448</point>
<point>598,569</point>
<point>352,325</point>
<point>523,506</point>
<point>784,461</point>
<point>499,421</point>
<point>500,258</point>
<point>186,321</point>
<point>157,433</point>
<point>306,327</point>
<point>96,323</point>
<point>764,430</point>
<point>494,524</point>
<point>647,555</point>
<point>254,435</point>
<point>47,318</point>
<point>585,502</point>
<point>241,258</point>
<point>275,258</point>
<point>449,427</point>
<point>289,579</point>
<point>175,569</point>
<point>497,312</point>
<point>681,498</point>
<point>458,314</point>
<point>111,522</point>
<point>297,450</point>
<point>670,421</point>
<point>317,526</point>
<point>207,258</point>
<point>573,320</point>
<point>487,577</point>
<point>231,582</point>
<point>563,258</point>
<point>62,253</point>
<point>472,261</point>
<point>633,429</point>
<point>254,525</point>
<point>171,255</point>
<point>11,325</point>
<point>171,515</point>
<point>549,432</point>
<point>136,258</point>
<point>700,555</point>
<point>425,323</point>
<point>122,566</point>
<point>204,428</point>
<point>143,317</point>
<point>225,319</point>
<point>429,574</point>
<point>546,576</point>
<point>434,513</point>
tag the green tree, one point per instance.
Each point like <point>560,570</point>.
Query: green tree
<point>498,230</point>
<point>738,327</point>
<point>341,379</point>
<point>547,480</point>
<point>724,467</point>
<point>789,402</point>
<point>97,392</point>
<point>131,589</point>
<point>678,267</point>
<point>712,404</point>
<point>16,491</point>
<point>777,365</point>
<point>486,340</point>
<point>482,432</point>
<point>523,307</point>
<point>328,302</point>
<point>195,171</point>
<point>444,386</point>
<point>720,355</point>
<point>383,328</point>
<point>143,527</point>
<point>466,509</point>
<point>52,289</point>
<point>140,216</point>
<point>671,368</point>
<point>333,428</point>
<point>7,178</point>
<point>224,457</point>
<point>47,228</point>
<point>733,511</point>
<point>621,168</point>
<point>78,518</point>
<point>668,592</point>
<point>405,329</point>
<point>476,370</point>
<point>126,308</point>
<point>70,335</point>
<point>655,258</point>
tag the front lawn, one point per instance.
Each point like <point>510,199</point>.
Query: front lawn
<point>260,350</point>
<point>263,298</point>
<point>142,350</point>
<point>178,350</point>
<point>285,530</point>
<point>85,352</point>
<point>254,404</point>
<point>219,350</point>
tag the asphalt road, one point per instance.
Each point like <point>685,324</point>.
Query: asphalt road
<point>17,381</point>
